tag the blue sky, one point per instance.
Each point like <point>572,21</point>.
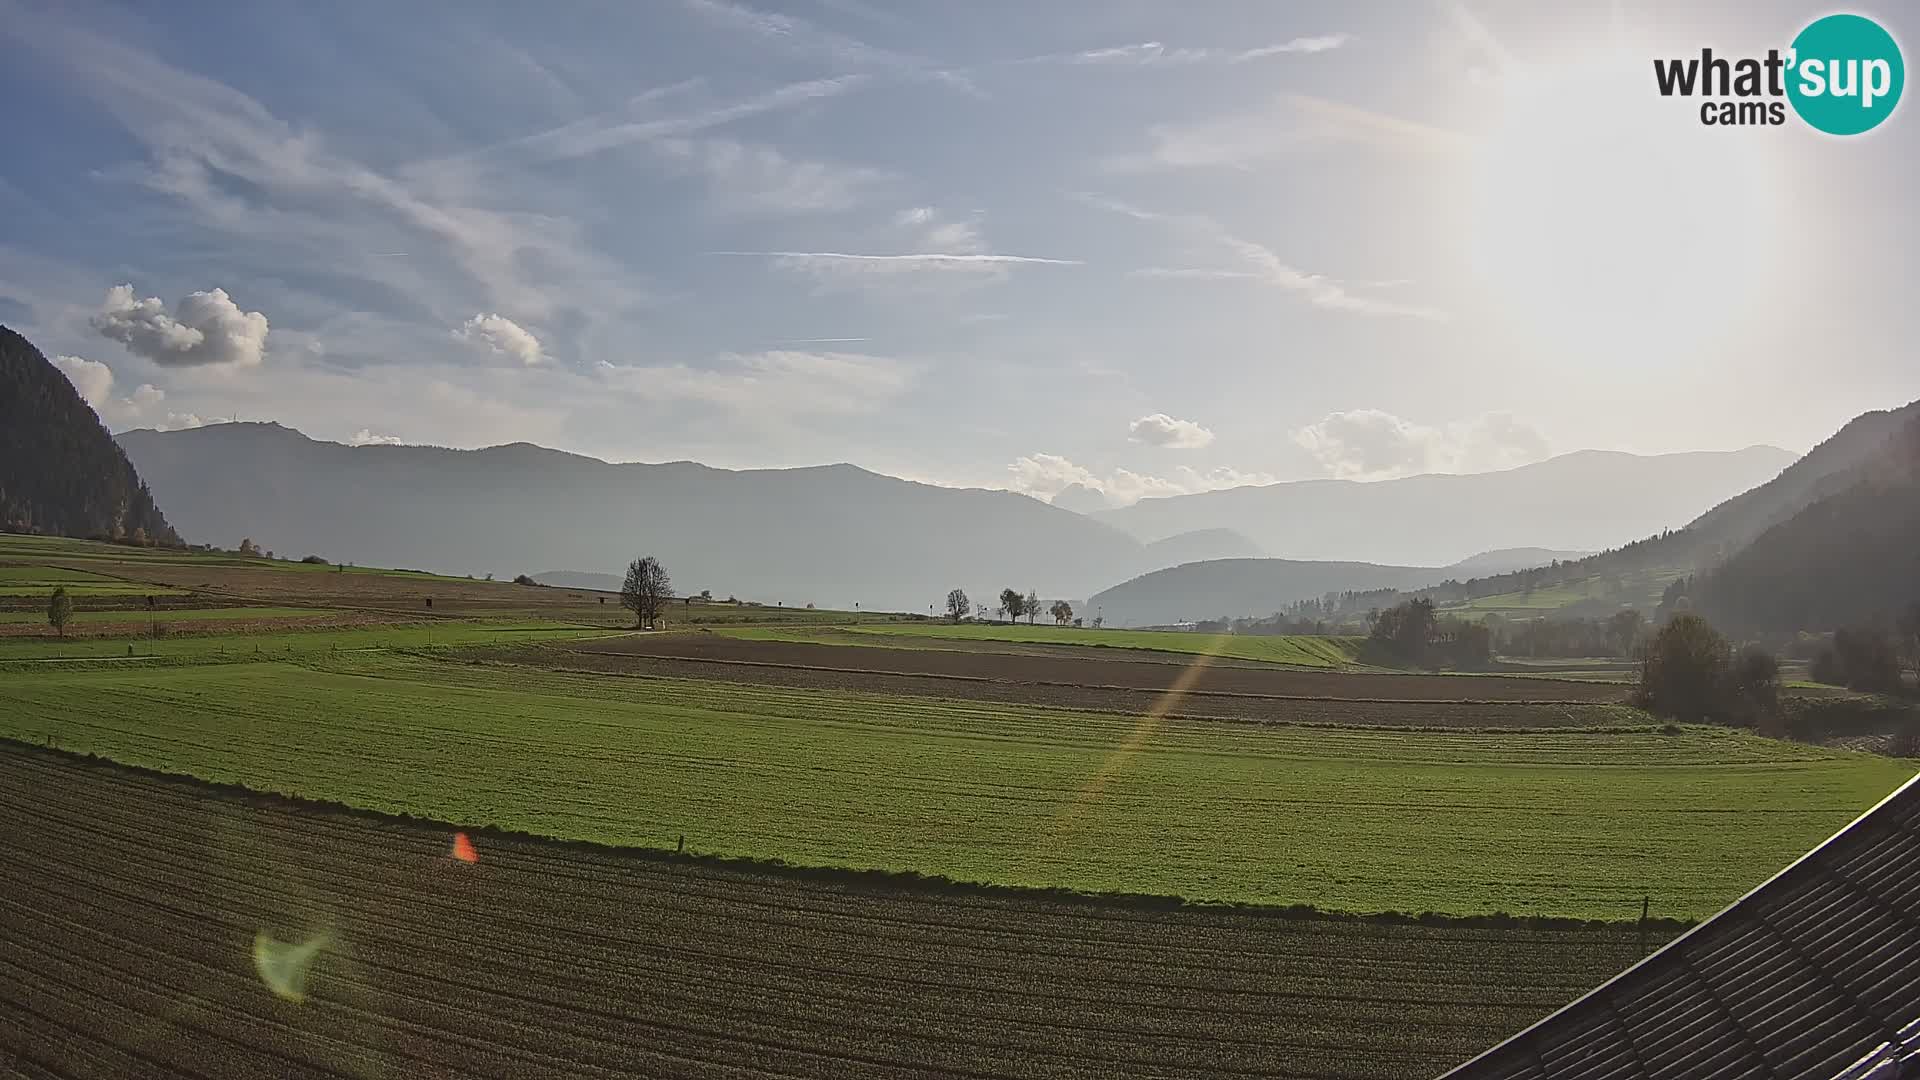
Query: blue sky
<point>1148,247</point>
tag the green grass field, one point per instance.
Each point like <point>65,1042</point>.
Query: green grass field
<point>1302,651</point>
<point>167,616</point>
<point>60,550</point>
<point>1641,589</point>
<point>1573,824</point>
<point>297,643</point>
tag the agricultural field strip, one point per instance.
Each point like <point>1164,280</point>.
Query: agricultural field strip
<point>302,640</point>
<point>905,942</point>
<point>774,910</point>
<point>142,615</point>
<point>1308,711</point>
<point>1308,652</point>
<point>1049,727</point>
<point>505,941</point>
<point>1639,747</point>
<point>572,803</point>
<point>1234,694</point>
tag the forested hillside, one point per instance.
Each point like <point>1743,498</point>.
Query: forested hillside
<point>1851,558</point>
<point>60,470</point>
<point>1716,535</point>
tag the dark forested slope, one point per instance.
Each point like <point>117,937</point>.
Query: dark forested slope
<point>1850,558</point>
<point>60,470</point>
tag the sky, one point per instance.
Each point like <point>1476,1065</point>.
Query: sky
<point>1142,247</point>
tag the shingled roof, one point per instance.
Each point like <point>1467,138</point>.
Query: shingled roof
<point>1816,973</point>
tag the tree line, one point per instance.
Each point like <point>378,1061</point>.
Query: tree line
<point>1013,605</point>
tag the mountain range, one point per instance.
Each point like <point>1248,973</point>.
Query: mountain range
<point>1589,499</point>
<point>833,535</point>
<point>1240,588</point>
<point>1833,509</point>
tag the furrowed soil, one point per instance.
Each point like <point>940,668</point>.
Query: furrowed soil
<point>130,905</point>
<point>1133,683</point>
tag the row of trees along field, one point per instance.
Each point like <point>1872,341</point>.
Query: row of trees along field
<point>1410,634</point>
<point>1691,672</point>
<point>1012,606</point>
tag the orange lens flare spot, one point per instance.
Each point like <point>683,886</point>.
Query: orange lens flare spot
<point>463,849</point>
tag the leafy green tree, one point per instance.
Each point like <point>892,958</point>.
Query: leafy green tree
<point>1753,686</point>
<point>1062,612</point>
<point>644,588</point>
<point>1683,671</point>
<point>59,610</point>
<point>1011,602</point>
<point>1624,629</point>
<point>1860,659</point>
<point>957,604</point>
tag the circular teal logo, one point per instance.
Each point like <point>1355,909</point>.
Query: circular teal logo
<point>1846,74</point>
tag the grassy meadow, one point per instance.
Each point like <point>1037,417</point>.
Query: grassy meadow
<point>1571,824</point>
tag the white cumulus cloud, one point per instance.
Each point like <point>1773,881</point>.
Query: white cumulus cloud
<point>204,328</point>
<point>1159,429</point>
<point>92,378</point>
<point>144,407</point>
<point>368,437</point>
<point>501,336</point>
<point>1372,444</point>
<point>1048,476</point>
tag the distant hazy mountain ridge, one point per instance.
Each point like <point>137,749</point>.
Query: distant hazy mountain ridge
<point>832,535</point>
<point>1242,588</point>
<point>1586,500</point>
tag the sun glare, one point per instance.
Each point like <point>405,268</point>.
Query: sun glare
<point>1610,221</point>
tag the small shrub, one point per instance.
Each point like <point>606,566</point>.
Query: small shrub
<point>314,560</point>
<point>522,579</point>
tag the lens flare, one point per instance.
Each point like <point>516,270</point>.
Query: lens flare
<point>283,965</point>
<point>463,849</point>
<point>1142,731</point>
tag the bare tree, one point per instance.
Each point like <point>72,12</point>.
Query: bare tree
<point>1011,602</point>
<point>59,610</point>
<point>1062,612</point>
<point>958,605</point>
<point>645,587</point>
<point>1031,606</point>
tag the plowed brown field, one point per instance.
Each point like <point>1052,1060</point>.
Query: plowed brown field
<point>130,902</point>
<point>1108,683</point>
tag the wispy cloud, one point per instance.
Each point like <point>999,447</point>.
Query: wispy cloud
<point>799,37</point>
<point>1157,54</point>
<point>838,264</point>
<point>745,179</point>
<point>771,384</point>
<point>644,118</point>
<point>1277,128</point>
<point>1259,263</point>
<point>242,171</point>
